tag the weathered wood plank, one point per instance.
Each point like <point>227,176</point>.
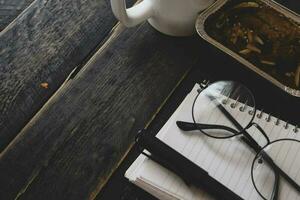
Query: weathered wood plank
<point>10,9</point>
<point>76,140</point>
<point>45,44</point>
<point>72,145</point>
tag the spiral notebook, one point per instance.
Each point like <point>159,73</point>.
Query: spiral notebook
<point>228,161</point>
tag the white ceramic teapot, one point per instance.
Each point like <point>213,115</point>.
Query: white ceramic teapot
<point>172,17</point>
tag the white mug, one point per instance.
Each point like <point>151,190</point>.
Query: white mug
<point>172,17</point>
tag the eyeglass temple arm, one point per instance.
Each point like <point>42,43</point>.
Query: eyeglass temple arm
<point>189,126</point>
<point>279,171</point>
<point>275,191</point>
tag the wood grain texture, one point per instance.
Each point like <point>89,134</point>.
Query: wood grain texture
<point>72,145</point>
<point>43,45</point>
<point>118,187</point>
<point>10,9</point>
<point>76,141</point>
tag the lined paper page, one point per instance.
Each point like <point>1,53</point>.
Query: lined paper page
<point>227,160</point>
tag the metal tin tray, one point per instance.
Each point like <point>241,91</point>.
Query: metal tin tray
<point>200,27</point>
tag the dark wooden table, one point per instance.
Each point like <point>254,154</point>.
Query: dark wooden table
<point>76,86</point>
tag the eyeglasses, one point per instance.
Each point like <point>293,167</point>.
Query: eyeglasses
<point>273,160</point>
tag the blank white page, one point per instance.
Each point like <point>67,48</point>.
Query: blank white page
<point>226,160</point>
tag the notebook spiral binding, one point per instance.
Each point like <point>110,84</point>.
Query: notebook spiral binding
<point>260,115</point>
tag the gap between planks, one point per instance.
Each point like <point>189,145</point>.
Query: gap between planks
<point>101,185</point>
<point>114,33</point>
<point>18,16</point>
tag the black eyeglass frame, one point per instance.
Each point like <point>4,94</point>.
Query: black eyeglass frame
<point>246,137</point>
